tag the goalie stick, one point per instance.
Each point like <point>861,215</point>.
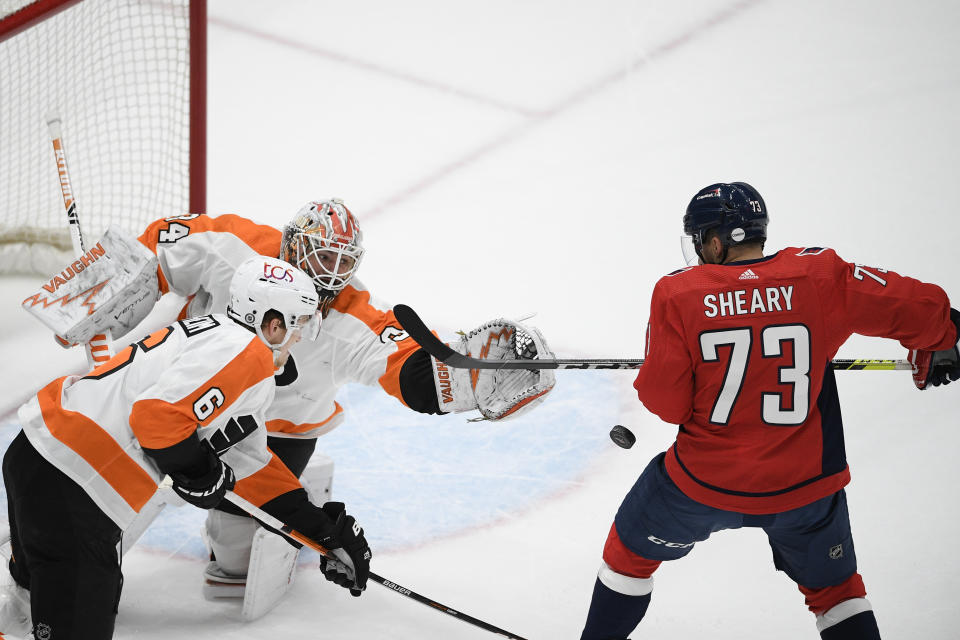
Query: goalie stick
<point>417,330</point>
<point>291,533</point>
<point>98,348</point>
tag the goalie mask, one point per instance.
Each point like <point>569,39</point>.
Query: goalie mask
<point>261,284</point>
<point>325,241</point>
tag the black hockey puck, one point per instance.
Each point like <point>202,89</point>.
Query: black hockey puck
<point>622,437</point>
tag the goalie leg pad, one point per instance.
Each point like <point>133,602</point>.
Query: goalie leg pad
<point>273,562</point>
<point>230,540</point>
<point>269,571</point>
<point>317,478</point>
<point>497,394</point>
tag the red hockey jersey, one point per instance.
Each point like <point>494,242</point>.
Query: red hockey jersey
<point>738,355</point>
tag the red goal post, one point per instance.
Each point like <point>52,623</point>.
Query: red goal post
<point>127,78</point>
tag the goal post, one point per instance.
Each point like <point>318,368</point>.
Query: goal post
<point>127,79</point>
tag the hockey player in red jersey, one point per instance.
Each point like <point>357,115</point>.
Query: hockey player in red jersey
<point>188,401</point>
<point>360,341</point>
<point>738,353</point>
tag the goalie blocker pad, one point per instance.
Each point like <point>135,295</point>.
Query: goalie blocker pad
<point>497,393</point>
<point>113,286</point>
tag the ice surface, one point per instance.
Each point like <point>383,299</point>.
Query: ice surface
<point>509,157</point>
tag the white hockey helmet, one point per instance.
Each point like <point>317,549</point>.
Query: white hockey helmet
<point>261,284</point>
<point>324,240</point>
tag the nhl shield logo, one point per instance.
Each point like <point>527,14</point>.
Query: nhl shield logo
<point>836,552</point>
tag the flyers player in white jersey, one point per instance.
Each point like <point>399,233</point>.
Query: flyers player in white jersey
<point>188,401</point>
<point>360,341</point>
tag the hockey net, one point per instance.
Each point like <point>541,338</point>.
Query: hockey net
<point>127,80</point>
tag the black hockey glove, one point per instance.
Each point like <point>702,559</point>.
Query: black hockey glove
<point>205,490</point>
<point>933,368</point>
<point>351,566</point>
<point>331,527</point>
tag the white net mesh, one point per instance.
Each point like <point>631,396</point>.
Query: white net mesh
<point>117,74</point>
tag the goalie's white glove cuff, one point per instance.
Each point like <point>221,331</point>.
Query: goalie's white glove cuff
<point>454,391</point>
<point>496,393</point>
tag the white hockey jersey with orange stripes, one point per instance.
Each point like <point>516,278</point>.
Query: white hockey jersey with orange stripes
<point>360,340</point>
<point>205,374</point>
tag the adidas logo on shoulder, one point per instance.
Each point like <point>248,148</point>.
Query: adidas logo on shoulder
<point>749,275</point>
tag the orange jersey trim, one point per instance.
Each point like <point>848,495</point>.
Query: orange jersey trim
<point>285,426</point>
<point>271,481</point>
<point>97,447</point>
<point>356,303</point>
<point>158,424</point>
<point>263,239</point>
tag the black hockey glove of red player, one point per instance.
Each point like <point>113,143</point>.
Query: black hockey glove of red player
<point>933,368</point>
<point>350,567</point>
<point>205,490</point>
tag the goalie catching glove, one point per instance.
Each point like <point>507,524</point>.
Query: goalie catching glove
<point>497,393</point>
<point>933,368</point>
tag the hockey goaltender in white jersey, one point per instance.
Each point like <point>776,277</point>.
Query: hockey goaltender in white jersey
<point>360,341</point>
<point>187,401</point>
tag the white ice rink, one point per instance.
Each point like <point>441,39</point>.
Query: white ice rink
<point>534,156</point>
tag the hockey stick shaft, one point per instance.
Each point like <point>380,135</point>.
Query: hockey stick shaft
<point>98,348</point>
<point>69,203</point>
<point>291,533</point>
<point>417,330</point>
<point>270,521</point>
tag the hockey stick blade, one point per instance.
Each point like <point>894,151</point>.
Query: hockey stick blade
<point>414,326</point>
<point>417,330</point>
